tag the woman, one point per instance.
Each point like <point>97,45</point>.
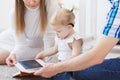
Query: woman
<point>31,29</point>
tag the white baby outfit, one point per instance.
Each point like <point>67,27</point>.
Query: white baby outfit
<point>64,50</point>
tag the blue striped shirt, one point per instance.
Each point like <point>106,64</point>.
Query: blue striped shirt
<point>112,27</point>
<point>112,1</point>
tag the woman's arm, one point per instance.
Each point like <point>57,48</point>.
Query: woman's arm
<point>19,40</point>
<point>11,60</point>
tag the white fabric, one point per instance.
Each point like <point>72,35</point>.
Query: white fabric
<point>32,40</point>
<point>64,50</point>
<point>6,40</point>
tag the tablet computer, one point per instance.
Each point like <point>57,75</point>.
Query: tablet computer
<point>30,66</point>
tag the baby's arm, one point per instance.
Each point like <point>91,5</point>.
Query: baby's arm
<point>51,51</point>
<point>76,48</point>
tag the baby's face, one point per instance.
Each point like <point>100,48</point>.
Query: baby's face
<point>31,3</point>
<point>62,31</point>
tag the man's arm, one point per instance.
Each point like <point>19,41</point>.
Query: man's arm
<point>89,58</point>
<point>85,60</point>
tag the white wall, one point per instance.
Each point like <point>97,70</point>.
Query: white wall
<point>5,8</point>
<point>103,7</point>
<point>94,16</point>
<point>91,18</point>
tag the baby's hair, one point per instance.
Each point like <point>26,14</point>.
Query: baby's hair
<point>63,17</point>
<point>73,8</point>
<point>60,4</point>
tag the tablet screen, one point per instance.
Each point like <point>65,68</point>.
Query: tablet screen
<point>29,64</point>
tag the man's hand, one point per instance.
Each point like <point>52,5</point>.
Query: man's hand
<point>48,71</point>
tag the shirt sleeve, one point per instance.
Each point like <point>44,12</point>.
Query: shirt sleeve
<point>49,36</point>
<point>19,40</point>
<point>112,28</point>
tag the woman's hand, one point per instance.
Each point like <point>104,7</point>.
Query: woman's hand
<point>11,60</point>
<point>48,71</point>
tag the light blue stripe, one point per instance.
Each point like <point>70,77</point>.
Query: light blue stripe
<point>111,18</point>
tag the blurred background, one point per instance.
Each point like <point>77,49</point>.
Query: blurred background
<point>90,16</point>
<point>5,8</point>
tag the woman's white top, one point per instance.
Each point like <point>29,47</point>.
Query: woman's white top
<point>64,50</point>
<point>32,41</point>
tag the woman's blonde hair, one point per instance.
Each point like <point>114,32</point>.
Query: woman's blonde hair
<point>63,17</point>
<point>20,12</point>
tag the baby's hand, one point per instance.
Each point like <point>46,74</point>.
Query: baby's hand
<point>40,55</point>
<point>11,60</point>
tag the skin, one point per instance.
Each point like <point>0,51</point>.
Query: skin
<point>11,60</point>
<point>31,3</point>
<point>85,60</point>
<point>3,55</point>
